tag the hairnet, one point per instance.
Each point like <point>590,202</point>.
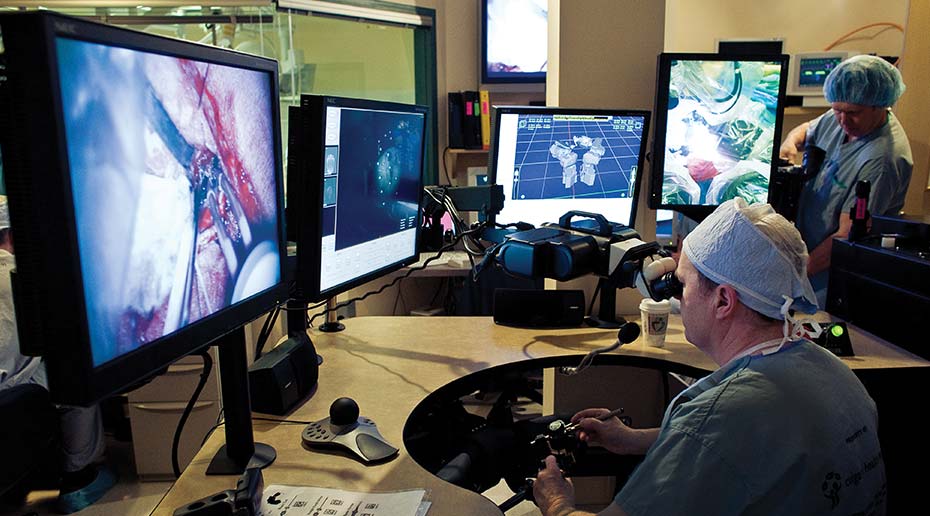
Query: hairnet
<point>757,252</point>
<point>864,80</point>
<point>4,213</point>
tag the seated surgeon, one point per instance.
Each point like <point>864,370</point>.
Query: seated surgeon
<point>863,141</point>
<point>81,428</point>
<point>783,427</point>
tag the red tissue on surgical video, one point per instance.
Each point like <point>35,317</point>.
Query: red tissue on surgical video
<point>174,182</point>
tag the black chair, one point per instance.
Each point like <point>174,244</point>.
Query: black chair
<point>28,441</point>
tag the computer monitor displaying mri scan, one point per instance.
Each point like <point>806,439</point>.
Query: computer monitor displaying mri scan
<point>554,160</point>
<point>718,126</point>
<point>354,188</point>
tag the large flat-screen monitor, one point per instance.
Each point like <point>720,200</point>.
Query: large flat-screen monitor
<point>514,35</point>
<point>718,122</point>
<point>554,160</point>
<point>355,178</point>
<point>146,197</point>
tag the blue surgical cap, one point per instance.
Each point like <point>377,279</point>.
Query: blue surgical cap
<point>757,252</point>
<point>864,80</point>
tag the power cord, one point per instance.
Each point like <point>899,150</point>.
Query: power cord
<point>410,271</point>
<point>204,374</point>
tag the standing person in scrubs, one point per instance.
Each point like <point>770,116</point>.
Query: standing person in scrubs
<point>783,427</point>
<point>863,141</point>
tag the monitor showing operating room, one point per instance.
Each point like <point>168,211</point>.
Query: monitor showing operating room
<point>198,229</point>
<point>553,160</point>
<point>146,187</point>
<point>717,122</point>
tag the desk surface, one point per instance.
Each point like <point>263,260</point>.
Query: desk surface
<point>389,364</point>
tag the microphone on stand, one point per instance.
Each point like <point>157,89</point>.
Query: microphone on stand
<point>627,334</point>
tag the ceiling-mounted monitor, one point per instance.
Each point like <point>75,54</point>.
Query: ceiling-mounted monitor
<point>514,36</point>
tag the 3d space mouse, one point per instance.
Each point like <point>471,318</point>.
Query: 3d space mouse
<point>344,427</point>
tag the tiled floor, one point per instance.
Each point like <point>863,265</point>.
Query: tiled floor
<point>128,497</point>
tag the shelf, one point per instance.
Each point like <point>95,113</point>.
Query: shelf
<point>801,110</point>
<point>468,151</point>
<point>458,161</point>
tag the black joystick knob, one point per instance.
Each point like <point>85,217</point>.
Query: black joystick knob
<point>343,411</point>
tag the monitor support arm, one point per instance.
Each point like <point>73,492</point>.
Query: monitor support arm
<point>241,450</point>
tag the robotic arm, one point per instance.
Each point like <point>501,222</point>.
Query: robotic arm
<point>592,245</point>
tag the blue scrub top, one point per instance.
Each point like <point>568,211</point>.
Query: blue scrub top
<point>882,157</point>
<point>790,433</point>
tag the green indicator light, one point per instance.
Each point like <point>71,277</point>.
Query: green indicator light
<point>836,330</point>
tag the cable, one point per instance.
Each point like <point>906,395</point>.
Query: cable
<point>288,421</point>
<point>218,423</point>
<point>472,246</point>
<point>204,374</point>
<point>445,170</point>
<point>266,331</point>
<point>869,26</point>
<point>398,278</point>
<point>398,298</point>
<point>597,291</point>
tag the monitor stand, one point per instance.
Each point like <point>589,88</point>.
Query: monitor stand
<point>240,451</point>
<point>606,317</point>
<point>332,323</point>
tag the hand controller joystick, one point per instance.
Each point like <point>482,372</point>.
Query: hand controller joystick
<point>343,411</point>
<point>344,428</point>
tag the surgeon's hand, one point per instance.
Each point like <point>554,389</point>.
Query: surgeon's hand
<point>612,434</point>
<point>789,152</point>
<point>554,494</point>
<point>791,148</point>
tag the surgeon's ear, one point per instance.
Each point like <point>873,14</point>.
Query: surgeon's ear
<point>725,301</point>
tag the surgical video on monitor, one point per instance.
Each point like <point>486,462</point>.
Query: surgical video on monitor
<point>516,35</point>
<point>550,163</point>
<point>371,194</point>
<point>720,131</point>
<point>173,171</point>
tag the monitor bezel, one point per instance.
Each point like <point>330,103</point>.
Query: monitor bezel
<point>306,185</point>
<point>743,46</point>
<point>54,322</point>
<point>499,111</point>
<point>509,77</point>
<point>663,72</point>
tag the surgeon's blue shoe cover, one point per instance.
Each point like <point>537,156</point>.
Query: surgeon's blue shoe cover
<point>74,501</point>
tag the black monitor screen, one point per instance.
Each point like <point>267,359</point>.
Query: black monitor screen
<point>156,214</point>
<point>357,190</point>
<point>718,122</point>
<point>553,160</point>
<point>750,47</point>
